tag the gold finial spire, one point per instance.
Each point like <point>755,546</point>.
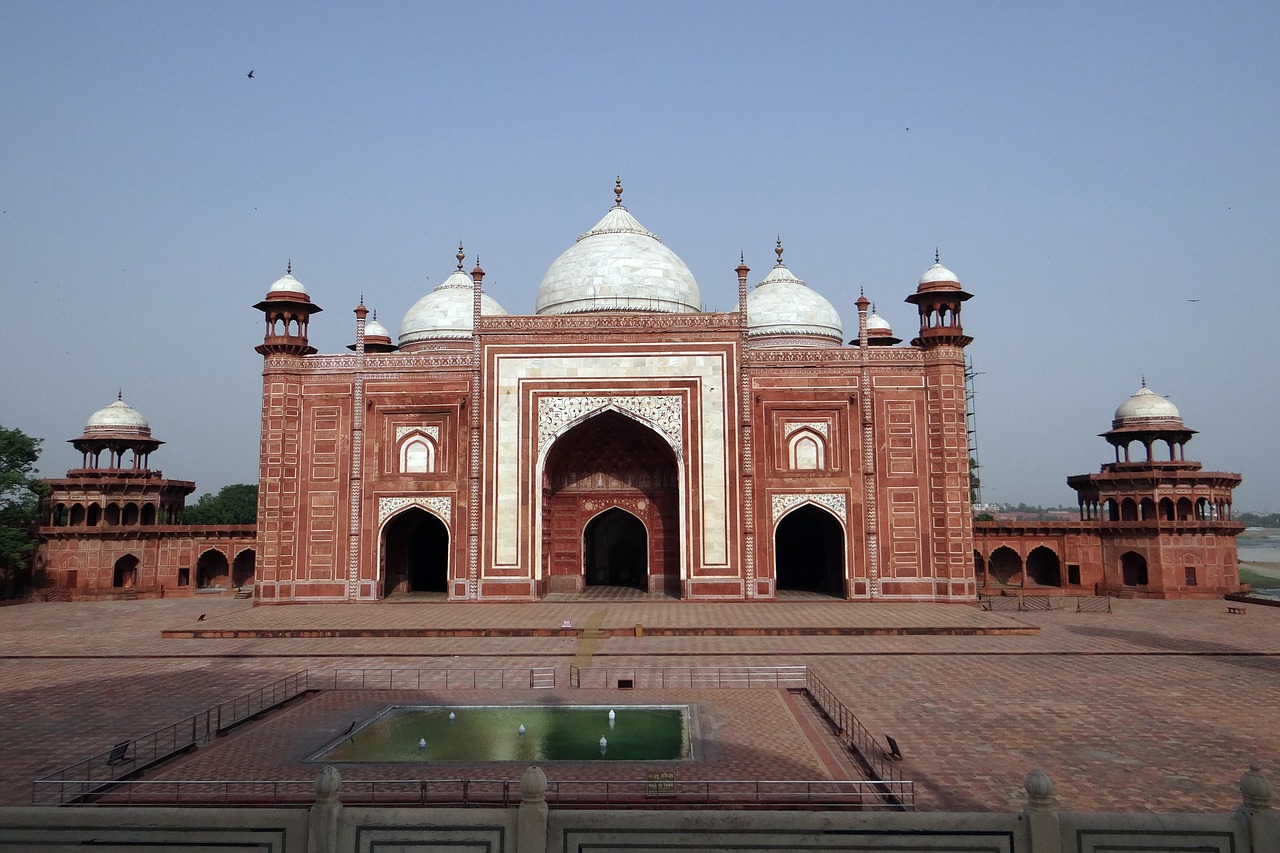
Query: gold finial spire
<point>288,268</point>
<point>461,256</point>
<point>617,192</point>
<point>777,250</point>
<point>937,258</point>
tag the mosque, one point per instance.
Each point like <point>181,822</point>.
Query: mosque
<point>620,436</point>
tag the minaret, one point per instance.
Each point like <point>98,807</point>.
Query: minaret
<point>947,531</point>
<point>288,311</point>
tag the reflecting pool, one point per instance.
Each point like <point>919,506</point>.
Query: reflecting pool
<point>518,733</point>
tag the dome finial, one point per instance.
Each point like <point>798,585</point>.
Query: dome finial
<point>777,250</point>
<point>120,394</point>
<point>617,192</point>
<point>1144,380</point>
<point>461,256</point>
<point>288,268</point>
<point>937,258</point>
<point>362,299</point>
<point>375,311</point>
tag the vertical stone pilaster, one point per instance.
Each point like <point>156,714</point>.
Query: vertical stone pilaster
<point>869,495</point>
<point>354,496</point>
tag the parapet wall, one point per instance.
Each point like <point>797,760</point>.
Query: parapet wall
<point>329,827</point>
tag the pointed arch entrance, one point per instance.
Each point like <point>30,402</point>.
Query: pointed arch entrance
<point>212,569</point>
<point>808,551</point>
<point>124,574</point>
<point>609,463</point>
<point>615,549</point>
<point>415,548</point>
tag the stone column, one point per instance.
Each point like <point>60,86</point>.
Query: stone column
<point>1042,820</point>
<point>531,822</point>
<point>322,822</point>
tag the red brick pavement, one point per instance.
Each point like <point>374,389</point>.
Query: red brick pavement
<point>1159,705</point>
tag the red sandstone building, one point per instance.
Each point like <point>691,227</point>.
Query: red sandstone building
<point>622,436</point>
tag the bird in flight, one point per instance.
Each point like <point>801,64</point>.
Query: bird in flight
<point>250,73</point>
<point>1193,300</point>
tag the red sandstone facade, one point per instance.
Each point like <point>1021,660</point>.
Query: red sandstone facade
<point>621,436</point>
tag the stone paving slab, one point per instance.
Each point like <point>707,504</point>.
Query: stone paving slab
<point>1157,706</point>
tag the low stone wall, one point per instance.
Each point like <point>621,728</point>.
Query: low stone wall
<point>329,827</point>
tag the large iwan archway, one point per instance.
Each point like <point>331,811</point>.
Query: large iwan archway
<point>602,472</point>
<point>808,551</point>
<point>415,548</point>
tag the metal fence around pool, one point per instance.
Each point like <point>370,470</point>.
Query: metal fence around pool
<point>73,783</point>
<point>532,678</point>
<point>499,793</point>
<point>691,677</point>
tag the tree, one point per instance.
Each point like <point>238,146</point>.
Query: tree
<point>234,504</point>
<point>20,494</point>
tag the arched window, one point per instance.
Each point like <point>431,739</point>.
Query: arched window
<point>112,515</point>
<point>1128,510</point>
<point>806,451</point>
<point>149,513</point>
<point>94,515</point>
<point>1166,509</point>
<point>1113,510</point>
<point>77,515</point>
<point>1184,509</point>
<point>418,455</point>
<point>1147,509</point>
<point>130,514</point>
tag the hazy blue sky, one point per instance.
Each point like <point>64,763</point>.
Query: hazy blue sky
<point>1086,170</point>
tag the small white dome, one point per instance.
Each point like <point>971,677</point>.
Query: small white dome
<point>619,265</point>
<point>446,312</point>
<point>937,273</point>
<point>374,329</point>
<point>287,284</point>
<point>117,417</point>
<point>1146,405</point>
<point>875,321</point>
<point>782,304</point>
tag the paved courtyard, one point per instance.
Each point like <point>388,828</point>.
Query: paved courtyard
<point>1155,706</point>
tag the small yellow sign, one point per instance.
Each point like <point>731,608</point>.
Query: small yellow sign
<point>660,784</point>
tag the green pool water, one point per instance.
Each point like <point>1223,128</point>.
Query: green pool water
<point>491,733</point>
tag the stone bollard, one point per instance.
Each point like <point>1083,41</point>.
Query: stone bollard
<point>531,823</point>
<point>1042,820</point>
<point>322,822</point>
<point>1255,804</point>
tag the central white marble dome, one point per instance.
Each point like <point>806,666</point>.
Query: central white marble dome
<point>619,265</point>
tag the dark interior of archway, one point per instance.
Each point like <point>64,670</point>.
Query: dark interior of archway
<point>211,570</point>
<point>809,551</point>
<point>611,458</point>
<point>417,549</point>
<point>242,568</point>
<point>1043,567</point>
<point>1005,566</point>
<point>616,550</point>
<point>125,573</point>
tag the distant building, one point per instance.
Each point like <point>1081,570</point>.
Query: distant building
<point>113,528</point>
<point>1160,528</point>
<point>622,436</point>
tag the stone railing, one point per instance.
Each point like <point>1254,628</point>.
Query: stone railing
<point>534,826</point>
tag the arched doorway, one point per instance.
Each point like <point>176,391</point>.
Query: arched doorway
<point>415,547</point>
<point>1005,566</point>
<point>1133,569</point>
<point>808,551</point>
<point>1043,567</point>
<point>212,570</point>
<point>615,550</point>
<point>610,462</point>
<point>125,573</point>
<point>242,568</point>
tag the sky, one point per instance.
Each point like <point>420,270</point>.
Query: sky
<point>1102,177</point>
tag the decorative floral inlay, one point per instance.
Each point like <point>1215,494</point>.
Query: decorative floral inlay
<point>834,501</point>
<point>433,431</point>
<point>820,427</point>
<point>441,506</point>
<point>665,413</point>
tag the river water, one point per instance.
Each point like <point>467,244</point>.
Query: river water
<point>1263,548</point>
